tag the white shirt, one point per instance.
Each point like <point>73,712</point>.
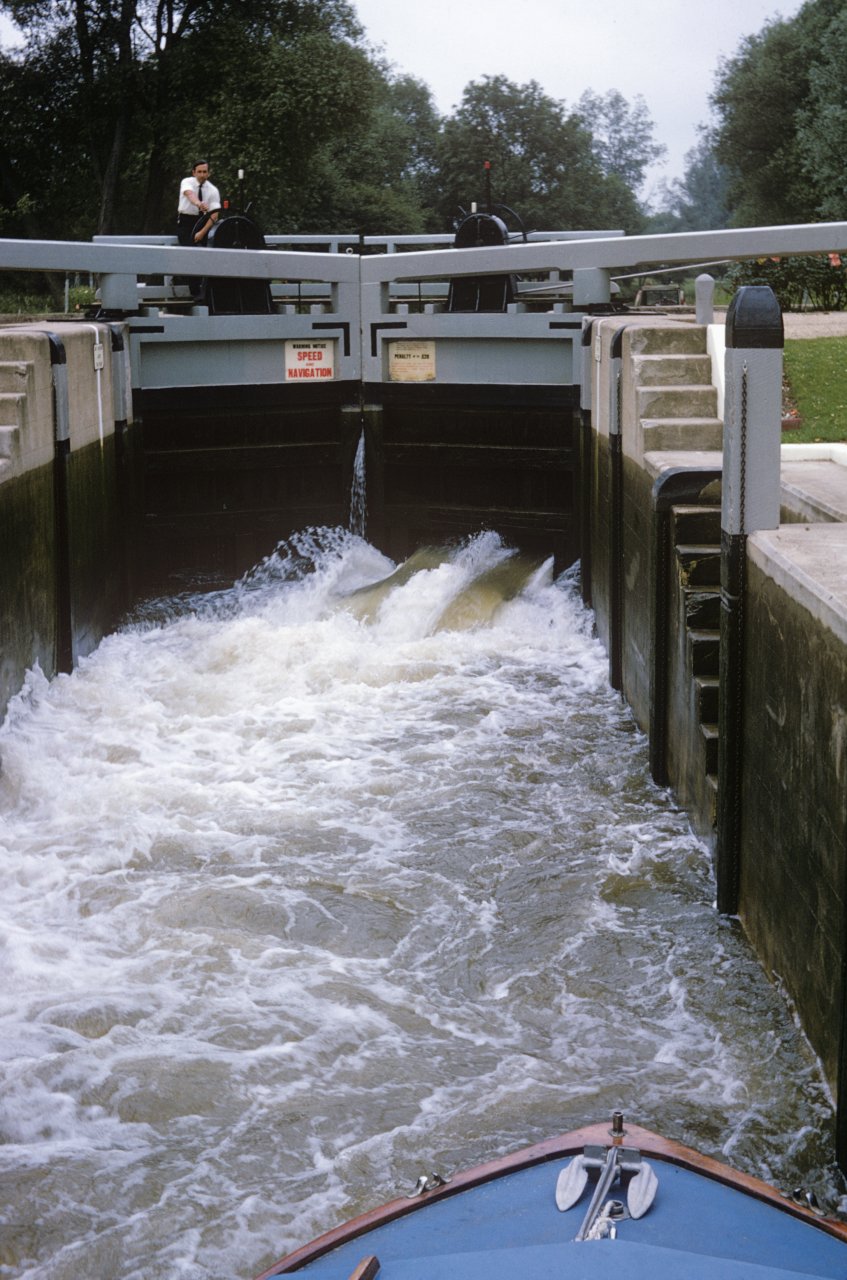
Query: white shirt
<point>211,196</point>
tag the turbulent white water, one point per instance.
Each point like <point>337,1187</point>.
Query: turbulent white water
<point>357,518</point>
<point>306,892</point>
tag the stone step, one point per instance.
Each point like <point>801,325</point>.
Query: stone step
<point>12,408</point>
<point>14,375</point>
<point>707,692</point>
<point>681,433</point>
<point>709,735</point>
<point>676,402</point>
<point>8,442</point>
<point>696,523</point>
<point>699,565</point>
<point>705,646</point>
<point>672,370</point>
<point>702,608</point>
<point>668,339</point>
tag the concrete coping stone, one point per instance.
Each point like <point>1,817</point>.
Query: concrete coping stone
<point>658,461</point>
<point>812,479</point>
<point>809,562</point>
<point>815,490</point>
<point>831,452</point>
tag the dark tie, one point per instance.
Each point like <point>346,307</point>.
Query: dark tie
<point>200,192</point>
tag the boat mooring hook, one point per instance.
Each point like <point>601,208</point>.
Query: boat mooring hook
<point>428,1182</point>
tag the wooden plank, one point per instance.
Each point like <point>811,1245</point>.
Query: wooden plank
<point>499,518</point>
<point>244,457</point>
<point>367,1268</point>
<point>544,457</point>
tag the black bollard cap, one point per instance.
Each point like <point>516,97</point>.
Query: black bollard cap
<point>754,318</point>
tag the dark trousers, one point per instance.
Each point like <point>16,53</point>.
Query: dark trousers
<point>185,224</point>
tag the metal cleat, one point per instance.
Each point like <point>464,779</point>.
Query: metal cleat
<point>428,1182</point>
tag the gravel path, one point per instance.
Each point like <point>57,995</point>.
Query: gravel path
<point>815,324</point>
<point>807,324</point>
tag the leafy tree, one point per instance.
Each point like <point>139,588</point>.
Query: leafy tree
<point>623,135</point>
<point>781,106</point>
<point>757,98</point>
<point>292,131</point>
<point>698,200</point>
<point>822,119</point>
<point>35,131</point>
<point>110,101</point>
<point>269,113</point>
<point>816,280</point>
<point>128,92</point>
<point>378,178</point>
<point>542,160</point>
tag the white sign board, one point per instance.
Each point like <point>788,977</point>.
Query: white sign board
<point>307,361</point>
<point>411,361</point>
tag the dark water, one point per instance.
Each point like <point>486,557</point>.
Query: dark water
<point>307,891</point>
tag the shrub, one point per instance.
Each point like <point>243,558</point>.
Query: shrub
<point>818,281</point>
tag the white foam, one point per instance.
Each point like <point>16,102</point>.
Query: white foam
<point>297,903</point>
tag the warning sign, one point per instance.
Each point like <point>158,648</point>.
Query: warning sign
<point>411,361</point>
<point>309,361</point>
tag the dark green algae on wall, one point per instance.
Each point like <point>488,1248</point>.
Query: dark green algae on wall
<point>793,869</point>
<point>28,579</point>
<point>65,530</point>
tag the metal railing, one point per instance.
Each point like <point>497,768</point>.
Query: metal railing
<point>119,261</point>
<point>397,292</point>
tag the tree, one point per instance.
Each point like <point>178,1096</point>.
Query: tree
<point>757,97</point>
<point>822,119</point>
<point>623,135</point>
<point>36,98</point>
<point>292,131</point>
<point>698,200</point>
<point>376,178</point>
<point>265,109</point>
<point>542,158</point>
<point>111,101</point>
<point>128,91</point>
<point>780,105</point>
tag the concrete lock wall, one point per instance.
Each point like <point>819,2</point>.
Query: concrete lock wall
<point>62,503</point>
<point>660,553</point>
<point>794,780</point>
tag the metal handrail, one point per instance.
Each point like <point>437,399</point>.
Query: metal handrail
<point>612,253</point>
<point>592,251</point>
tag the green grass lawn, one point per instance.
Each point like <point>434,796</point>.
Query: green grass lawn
<point>816,387</point>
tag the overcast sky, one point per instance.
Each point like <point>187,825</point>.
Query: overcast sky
<point>665,50</point>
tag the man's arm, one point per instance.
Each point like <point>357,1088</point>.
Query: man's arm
<point>191,197</point>
<point>200,235</point>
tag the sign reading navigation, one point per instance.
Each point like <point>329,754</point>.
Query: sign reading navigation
<point>309,361</point>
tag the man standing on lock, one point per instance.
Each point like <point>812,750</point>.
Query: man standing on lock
<point>197,195</point>
<point>197,212</point>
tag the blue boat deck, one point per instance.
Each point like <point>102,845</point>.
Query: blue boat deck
<point>510,1227</point>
